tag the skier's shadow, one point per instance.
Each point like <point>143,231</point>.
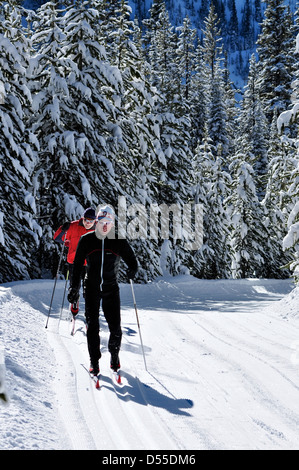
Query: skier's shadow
<point>137,391</point>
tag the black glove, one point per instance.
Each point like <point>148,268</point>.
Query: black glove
<point>65,226</point>
<point>73,295</point>
<point>131,273</point>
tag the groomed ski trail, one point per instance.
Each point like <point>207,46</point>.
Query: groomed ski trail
<point>222,359</point>
<point>237,357</point>
<point>107,418</point>
<point>234,362</point>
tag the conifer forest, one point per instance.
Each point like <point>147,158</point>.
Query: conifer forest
<point>100,106</point>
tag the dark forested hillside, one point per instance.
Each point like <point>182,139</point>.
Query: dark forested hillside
<point>240,23</point>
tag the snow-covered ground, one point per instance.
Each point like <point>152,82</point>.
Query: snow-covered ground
<point>222,360</point>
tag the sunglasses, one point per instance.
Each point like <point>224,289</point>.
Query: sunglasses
<point>103,222</point>
<point>89,221</point>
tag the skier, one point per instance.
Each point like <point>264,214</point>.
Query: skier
<point>70,234</point>
<point>103,257</point>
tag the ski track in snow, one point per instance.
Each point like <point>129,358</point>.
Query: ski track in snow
<point>222,369</point>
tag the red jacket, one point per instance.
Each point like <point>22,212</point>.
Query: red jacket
<point>70,234</point>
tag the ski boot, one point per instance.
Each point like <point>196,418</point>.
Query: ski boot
<point>114,362</point>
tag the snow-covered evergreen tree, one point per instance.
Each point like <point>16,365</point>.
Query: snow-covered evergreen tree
<point>217,115</point>
<point>160,45</point>
<point>276,60</point>
<point>212,41</point>
<point>186,57</point>
<point>139,154</point>
<point>171,122</point>
<point>291,240</point>
<point>247,230</point>
<point>276,203</point>
<point>18,228</point>
<point>212,260</point>
<point>216,97</point>
<point>74,116</point>
<point>253,130</point>
<point>120,111</point>
<point>198,101</point>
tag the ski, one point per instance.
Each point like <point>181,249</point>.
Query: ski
<point>116,376</point>
<point>74,311</point>
<point>94,378</point>
<point>115,368</point>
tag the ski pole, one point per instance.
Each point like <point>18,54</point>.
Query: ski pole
<point>56,277</point>
<point>133,294</point>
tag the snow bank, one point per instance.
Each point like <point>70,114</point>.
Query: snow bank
<point>30,420</point>
<point>288,306</point>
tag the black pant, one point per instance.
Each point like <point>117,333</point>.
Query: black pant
<point>111,308</point>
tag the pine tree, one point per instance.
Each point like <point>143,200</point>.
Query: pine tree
<point>233,28</point>
<point>291,240</point>
<point>257,11</point>
<point>231,109</point>
<point>18,228</point>
<point>212,260</point>
<point>253,130</point>
<point>161,41</point>
<point>212,41</point>
<point>246,29</point>
<point>74,119</point>
<point>186,58</point>
<point>140,152</point>
<point>276,203</point>
<point>247,230</point>
<point>275,44</point>
<point>198,101</point>
<point>217,117</point>
<point>167,71</point>
<point>151,24</point>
